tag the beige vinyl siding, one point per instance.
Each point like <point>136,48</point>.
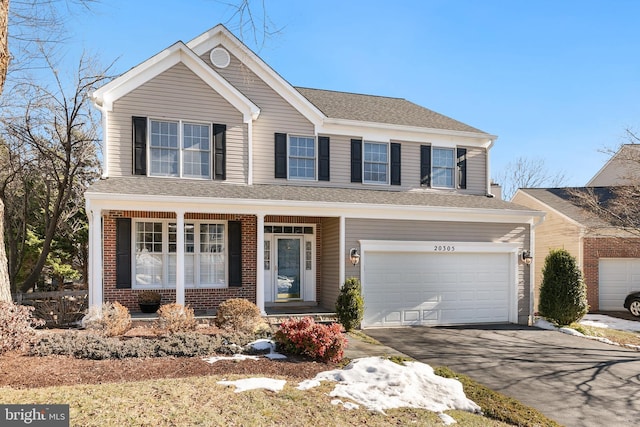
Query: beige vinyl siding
<point>371,229</point>
<point>276,115</point>
<point>176,94</point>
<point>555,232</point>
<point>330,286</point>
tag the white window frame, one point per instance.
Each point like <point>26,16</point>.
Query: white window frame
<point>387,163</point>
<point>166,255</point>
<point>315,158</point>
<point>452,169</point>
<point>181,149</point>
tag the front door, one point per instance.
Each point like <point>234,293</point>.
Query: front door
<point>288,268</point>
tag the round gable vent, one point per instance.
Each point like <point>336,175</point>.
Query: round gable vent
<point>220,57</point>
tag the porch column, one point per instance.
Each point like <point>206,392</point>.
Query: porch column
<point>342,252</point>
<point>95,257</point>
<point>180,257</point>
<point>260,262</point>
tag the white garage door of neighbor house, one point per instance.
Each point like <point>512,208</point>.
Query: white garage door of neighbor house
<point>419,288</point>
<point>617,278</point>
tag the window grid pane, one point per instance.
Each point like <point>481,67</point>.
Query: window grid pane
<point>375,162</point>
<point>148,257</point>
<point>302,157</point>
<point>443,167</point>
<point>164,148</point>
<point>197,152</point>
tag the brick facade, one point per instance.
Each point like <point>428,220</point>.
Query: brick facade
<point>604,247</point>
<point>198,299</point>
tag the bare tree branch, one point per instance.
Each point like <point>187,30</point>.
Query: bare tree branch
<point>527,173</point>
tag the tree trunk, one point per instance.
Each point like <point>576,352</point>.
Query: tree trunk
<point>4,47</point>
<point>5,287</point>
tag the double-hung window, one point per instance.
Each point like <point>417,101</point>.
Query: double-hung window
<point>205,252</point>
<point>376,162</point>
<point>180,149</point>
<point>302,157</point>
<point>443,166</point>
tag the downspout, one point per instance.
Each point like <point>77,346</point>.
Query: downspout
<point>105,150</point>
<point>488,169</point>
<point>532,267</point>
<point>250,152</point>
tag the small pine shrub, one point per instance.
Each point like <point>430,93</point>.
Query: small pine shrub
<point>308,338</point>
<point>16,326</point>
<point>112,319</point>
<point>563,294</point>
<point>175,317</point>
<point>240,315</point>
<point>350,305</point>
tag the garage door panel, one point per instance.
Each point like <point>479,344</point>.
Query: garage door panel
<point>434,288</point>
<point>617,278</point>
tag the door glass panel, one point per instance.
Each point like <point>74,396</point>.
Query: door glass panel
<point>288,268</point>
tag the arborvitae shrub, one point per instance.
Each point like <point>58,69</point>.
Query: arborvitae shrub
<point>308,338</point>
<point>350,305</point>
<point>176,318</point>
<point>563,294</point>
<point>239,315</point>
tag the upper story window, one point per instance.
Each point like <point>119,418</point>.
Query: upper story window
<point>443,167</point>
<point>376,162</point>
<point>302,157</point>
<point>180,149</point>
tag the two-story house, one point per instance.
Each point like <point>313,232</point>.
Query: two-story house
<point>222,180</point>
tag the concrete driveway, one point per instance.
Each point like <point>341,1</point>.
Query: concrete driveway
<point>573,380</point>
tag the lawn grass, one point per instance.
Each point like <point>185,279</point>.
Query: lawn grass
<point>620,337</point>
<point>200,401</point>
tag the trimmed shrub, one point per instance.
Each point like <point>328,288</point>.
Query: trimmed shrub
<point>240,315</point>
<point>563,294</point>
<point>176,318</point>
<point>308,338</point>
<point>350,305</point>
<point>110,320</point>
<point>98,347</point>
<point>16,326</point>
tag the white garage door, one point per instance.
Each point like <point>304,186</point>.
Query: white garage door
<point>617,278</point>
<point>418,288</point>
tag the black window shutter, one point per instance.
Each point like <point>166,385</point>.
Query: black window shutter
<point>220,151</point>
<point>425,165</point>
<point>323,158</point>
<point>356,160</point>
<point>235,253</point>
<point>395,163</point>
<point>139,145</point>
<point>123,253</point>
<point>462,167</point>
<point>281,155</point>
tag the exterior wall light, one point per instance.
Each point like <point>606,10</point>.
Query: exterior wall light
<point>526,257</point>
<point>354,256</point>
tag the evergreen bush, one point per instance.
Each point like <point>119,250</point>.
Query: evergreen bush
<point>308,338</point>
<point>175,317</point>
<point>239,315</point>
<point>350,305</point>
<point>563,294</point>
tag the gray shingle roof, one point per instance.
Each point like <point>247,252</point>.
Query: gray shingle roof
<point>563,200</point>
<point>379,109</point>
<point>134,185</point>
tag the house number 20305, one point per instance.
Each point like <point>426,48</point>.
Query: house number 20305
<point>444,248</point>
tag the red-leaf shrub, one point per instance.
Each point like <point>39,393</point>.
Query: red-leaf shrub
<point>306,337</point>
<point>16,326</point>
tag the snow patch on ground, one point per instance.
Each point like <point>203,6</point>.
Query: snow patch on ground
<point>266,344</point>
<point>604,321</point>
<point>255,383</point>
<point>236,357</point>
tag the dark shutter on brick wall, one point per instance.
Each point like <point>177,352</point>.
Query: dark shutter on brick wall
<point>425,165</point>
<point>395,163</point>
<point>281,155</point>
<point>139,145</point>
<point>323,158</point>
<point>123,253</point>
<point>356,160</point>
<point>220,152</point>
<point>235,253</point>
<point>462,167</point>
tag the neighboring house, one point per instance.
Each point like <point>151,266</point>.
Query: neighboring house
<point>222,180</point>
<point>609,257</point>
<point>621,169</point>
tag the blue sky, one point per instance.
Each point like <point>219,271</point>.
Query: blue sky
<point>555,80</point>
